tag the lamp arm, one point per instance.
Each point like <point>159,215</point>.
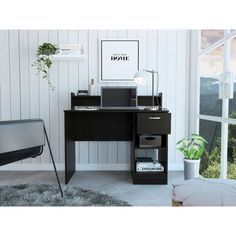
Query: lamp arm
<point>154,72</point>
<point>151,71</point>
<point>157,88</point>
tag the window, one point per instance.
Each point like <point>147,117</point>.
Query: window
<point>217,117</point>
<point>232,102</point>
<point>208,37</point>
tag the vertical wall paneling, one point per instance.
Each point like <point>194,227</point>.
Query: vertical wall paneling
<point>143,57</point>
<point>171,89</point>
<point>181,86</point>
<point>122,34</point>
<point>93,58</point>
<point>112,34</point>
<point>102,146</point>
<point>54,102</point>
<point>73,76</point>
<point>93,74</point>
<point>5,93</point>
<point>34,78</point>
<point>33,81</point>
<point>14,63</point>
<point>162,63</point>
<point>102,34</point>
<point>24,77</point>
<point>44,99</point>
<point>14,74</point>
<point>83,66</point>
<point>152,57</point>
<point>73,38</point>
<point>83,77</point>
<point>113,153</point>
<point>25,94</point>
<point>131,34</point>
<point>122,146</point>
<point>63,90</point>
<point>24,74</point>
<point>77,144</point>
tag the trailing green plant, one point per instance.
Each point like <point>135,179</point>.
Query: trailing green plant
<point>43,62</point>
<point>192,148</point>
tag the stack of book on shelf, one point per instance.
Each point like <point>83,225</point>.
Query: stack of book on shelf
<point>71,49</point>
<point>147,164</point>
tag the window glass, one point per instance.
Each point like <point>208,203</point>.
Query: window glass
<point>231,168</point>
<point>210,162</point>
<point>210,36</point>
<point>232,102</point>
<point>211,66</point>
<point>212,63</point>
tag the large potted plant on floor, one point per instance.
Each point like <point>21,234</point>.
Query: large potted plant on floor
<point>192,149</point>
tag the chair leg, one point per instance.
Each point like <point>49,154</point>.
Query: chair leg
<point>54,166</point>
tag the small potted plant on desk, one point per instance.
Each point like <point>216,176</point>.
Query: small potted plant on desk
<point>192,149</point>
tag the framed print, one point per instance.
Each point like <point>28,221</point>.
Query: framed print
<point>119,59</point>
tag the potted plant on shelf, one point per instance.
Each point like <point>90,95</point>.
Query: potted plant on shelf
<point>192,149</point>
<point>43,62</point>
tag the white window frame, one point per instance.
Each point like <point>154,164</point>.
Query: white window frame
<point>195,53</point>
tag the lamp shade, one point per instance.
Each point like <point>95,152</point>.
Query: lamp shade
<point>139,77</point>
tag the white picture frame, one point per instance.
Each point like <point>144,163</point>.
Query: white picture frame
<point>119,59</point>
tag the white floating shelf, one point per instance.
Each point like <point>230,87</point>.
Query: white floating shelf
<point>59,57</point>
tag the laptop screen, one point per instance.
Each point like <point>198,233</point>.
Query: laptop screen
<point>118,96</point>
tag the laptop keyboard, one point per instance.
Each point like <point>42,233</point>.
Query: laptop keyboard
<point>118,108</point>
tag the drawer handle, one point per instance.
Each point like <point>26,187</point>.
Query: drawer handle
<point>154,118</point>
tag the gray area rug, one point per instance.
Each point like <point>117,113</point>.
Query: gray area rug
<point>49,195</point>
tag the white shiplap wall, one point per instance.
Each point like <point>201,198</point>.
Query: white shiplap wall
<point>24,94</point>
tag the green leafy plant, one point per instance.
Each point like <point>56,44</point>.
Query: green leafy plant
<point>210,163</point>
<point>192,148</point>
<point>43,62</point>
<point>213,171</point>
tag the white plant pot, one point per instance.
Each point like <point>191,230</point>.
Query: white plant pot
<point>191,169</point>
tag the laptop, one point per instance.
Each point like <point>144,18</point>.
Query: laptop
<point>120,98</point>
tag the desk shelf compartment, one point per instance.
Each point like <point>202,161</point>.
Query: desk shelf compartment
<point>155,154</point>
<point>151,140</point>
<point>151,177</point>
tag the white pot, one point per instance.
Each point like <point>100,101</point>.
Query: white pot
<point>191,169</point>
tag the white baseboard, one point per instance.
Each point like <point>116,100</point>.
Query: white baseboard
<point>104,167</point>
<point>176,167</point>
<point>81,167</point>
<point>31,167</point>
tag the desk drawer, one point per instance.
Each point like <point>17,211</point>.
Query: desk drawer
<point>153,123</point>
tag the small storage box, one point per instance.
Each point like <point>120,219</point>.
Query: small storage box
<point>150,141</point>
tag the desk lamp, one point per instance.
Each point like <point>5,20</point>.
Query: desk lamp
<point>140,77</point>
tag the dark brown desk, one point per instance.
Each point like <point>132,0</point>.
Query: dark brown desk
<point>115,125</point>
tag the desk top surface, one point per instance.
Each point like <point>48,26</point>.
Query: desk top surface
<point>114,109</point>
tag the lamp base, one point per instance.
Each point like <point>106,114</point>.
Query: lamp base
<point>152,108</point>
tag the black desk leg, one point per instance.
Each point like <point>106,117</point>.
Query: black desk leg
<point>69,148</point>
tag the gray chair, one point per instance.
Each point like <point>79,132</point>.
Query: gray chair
<point>21,139</point>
